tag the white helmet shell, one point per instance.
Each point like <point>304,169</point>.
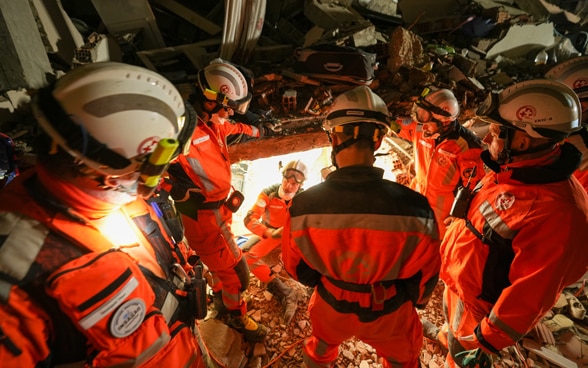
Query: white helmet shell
<point>296,165</point>
<point>224,83</point>
<point>126,108</point>
<point>543,108</point>
<point>444,99</point>
<point>574,73</point>
<point>358,105</point>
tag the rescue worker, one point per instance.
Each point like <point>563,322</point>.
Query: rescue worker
<point>574,73</point>
<point>446,154</point>
<point>88,270</point>
<point>200,184</point>
<point>266,220</point>
<point>368,246</point>
<point>522,239</point>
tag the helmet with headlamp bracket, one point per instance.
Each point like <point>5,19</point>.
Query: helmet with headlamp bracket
<point>297,169</point>
<point>540,107</point>
<point>440,107</point>
<point>223,83</point>
<point>574,73</point>
<point>110,116</point>
<point>361,114</point>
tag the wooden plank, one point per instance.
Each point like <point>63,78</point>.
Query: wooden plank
<point>190,16</point>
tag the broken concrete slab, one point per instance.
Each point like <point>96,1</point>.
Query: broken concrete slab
<point>24,60</point>
<point>223,343</point>
<point>405,49</point>
<point>522,39</point>
<point>128,16</point>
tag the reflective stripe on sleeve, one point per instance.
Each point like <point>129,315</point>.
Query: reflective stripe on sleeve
<point>495,221</point>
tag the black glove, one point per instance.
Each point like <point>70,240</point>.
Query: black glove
<point>269,128</point>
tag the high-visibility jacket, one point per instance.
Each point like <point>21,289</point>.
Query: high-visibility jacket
<point>444,164</point>
<point>200,182</point>
<point>73,292</point>
<point>206,168</point>
<point>359,228</point>
<point>269,211</point>
<point>580,140</point>
<point>370,248</point>
<point>524,240</point>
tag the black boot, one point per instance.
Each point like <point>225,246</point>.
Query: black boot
<point>286,295</point>
<point>219,306</point>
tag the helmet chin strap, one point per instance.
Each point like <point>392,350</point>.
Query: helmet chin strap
<point>340,147</point>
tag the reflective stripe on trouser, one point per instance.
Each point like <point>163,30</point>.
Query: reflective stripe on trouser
<point>396,337</point>
<point>461,327</point>
<point>254,258</point>
<point>213,241</point>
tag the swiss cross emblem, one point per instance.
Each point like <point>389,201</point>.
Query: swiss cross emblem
<point>526,112</point>
<point>148,145</point>
<point>580,82</point>
<point>442,161</point>
<point>224,89</point>
<point>504,201</point>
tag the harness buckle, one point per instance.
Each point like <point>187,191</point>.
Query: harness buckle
<point>378,296</point>
<point>181,274</point>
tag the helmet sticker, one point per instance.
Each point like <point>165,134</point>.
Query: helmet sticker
<point>127,318</point>
<point>443,160</point>
<point>579,83</point>
<point>148,145</point>
<point>504,201</point>
<point>526,112</point>
<point>467,172</point>
<point>224,89</point>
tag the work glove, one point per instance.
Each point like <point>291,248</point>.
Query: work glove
<point>474,358</point>
<point>269,128</point>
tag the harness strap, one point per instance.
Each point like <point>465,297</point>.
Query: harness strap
<point>377,289</point>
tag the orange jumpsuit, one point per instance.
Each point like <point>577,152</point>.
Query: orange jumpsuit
<point>68,296</point>
<point>370,248</point>
<point>443,164</point>
<point>201,183</point>
<point>580,140</point>
<point>524,240</point>
<point>268,212</point>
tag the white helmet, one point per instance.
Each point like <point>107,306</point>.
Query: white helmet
<point>110,115</point>
<point>359,105</point>
<point>542,108</point>
<point>440,107</point>
<point>224,83</point>
<point>574,73</point>
<point>296,168</point>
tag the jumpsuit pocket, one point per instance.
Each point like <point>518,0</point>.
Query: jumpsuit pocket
<point>110,301</point>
